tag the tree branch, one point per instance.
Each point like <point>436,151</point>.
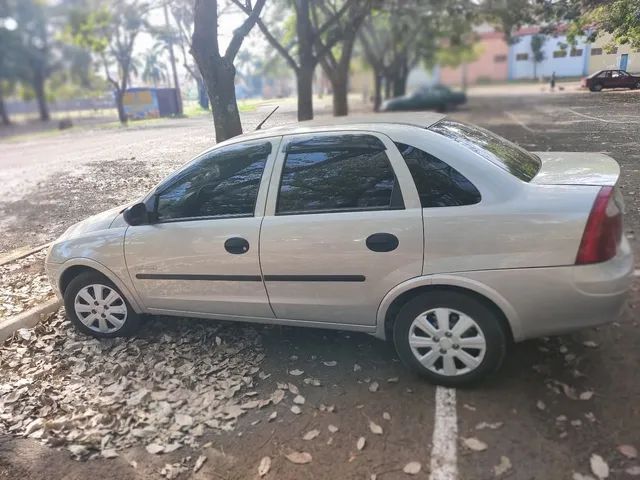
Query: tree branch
<point>241,32</point>
<point>270,38</point>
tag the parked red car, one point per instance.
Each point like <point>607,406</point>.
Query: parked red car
<point>610,79</point>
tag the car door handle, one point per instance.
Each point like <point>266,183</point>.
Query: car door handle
<point>236,245</point>
<point>382,242</point>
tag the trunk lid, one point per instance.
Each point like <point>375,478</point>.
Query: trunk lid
<point>576,168</point>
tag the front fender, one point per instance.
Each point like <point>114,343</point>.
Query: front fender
<point>129,293</point>
<point>454,280</point>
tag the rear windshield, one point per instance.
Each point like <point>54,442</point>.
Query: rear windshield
<point>502,152</point>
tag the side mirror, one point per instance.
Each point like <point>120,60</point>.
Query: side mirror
<point>136,214</point>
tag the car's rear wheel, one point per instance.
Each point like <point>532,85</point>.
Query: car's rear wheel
<point>596,88</point>
<point>450,338</point>
<point>96,307</point>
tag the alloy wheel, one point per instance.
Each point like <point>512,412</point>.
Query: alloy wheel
<point>447,342</point>
<point>100,308</point>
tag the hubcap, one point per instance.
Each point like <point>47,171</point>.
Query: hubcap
<point>447,342</point>
<point>100,308</point>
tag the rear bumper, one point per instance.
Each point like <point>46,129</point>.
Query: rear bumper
<point>555,300</point>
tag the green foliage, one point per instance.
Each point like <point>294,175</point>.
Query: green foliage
<point>621,19</point>
<point>537,42</point>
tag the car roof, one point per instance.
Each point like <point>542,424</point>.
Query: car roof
<point>372,121</point>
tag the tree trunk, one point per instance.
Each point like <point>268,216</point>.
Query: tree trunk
<point>38,88</point>
<point>340,85</point>
<point>4,115</point>
<point>122,115</point>
<point>387,87</point>
<point>203,99</point>
<point>304,80</point>
<point>377,93</point>
<point>219,78</point>
<point>535,70</point>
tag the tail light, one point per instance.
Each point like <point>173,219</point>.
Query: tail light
<point>603,231</point>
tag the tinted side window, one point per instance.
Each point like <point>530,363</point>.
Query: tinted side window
<point>222,183</point>
<point>438,184</point>
<point>346,172</point>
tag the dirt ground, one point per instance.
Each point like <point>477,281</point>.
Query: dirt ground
<point>530,412</point>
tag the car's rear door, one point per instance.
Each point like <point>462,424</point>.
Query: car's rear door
<point>343,226</point>
<point>201,255</point>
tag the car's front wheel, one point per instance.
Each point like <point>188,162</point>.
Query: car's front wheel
<point>96,307</point>
<point>450,338</point>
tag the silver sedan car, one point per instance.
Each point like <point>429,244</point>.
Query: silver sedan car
<point>440,236</point>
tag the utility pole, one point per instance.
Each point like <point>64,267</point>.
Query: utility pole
<point>172,58</point>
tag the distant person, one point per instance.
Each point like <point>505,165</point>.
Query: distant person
<point>552,82</point>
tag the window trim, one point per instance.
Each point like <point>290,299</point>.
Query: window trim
<point>153,199</point>
<point>285,150</point>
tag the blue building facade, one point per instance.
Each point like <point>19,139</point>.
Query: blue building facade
<point>559,57</point>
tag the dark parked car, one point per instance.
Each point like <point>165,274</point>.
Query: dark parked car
<point>610,79</point>
<point>437,97</point>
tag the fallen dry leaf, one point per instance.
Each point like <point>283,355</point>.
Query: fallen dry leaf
<point>296,372</point>
<point>628,451</point>
<point>375,428</point>
<point>374,386</point>
<point>311,434</point>
<point>299,458</point>
<point>299,400</point>
<point>360,443</point>
<point>474,444</point>
<point>264,466</point>
<point>296,410</point>
<point>633,471</point>
<point>154,448</point>
<point>586,395</point>
<point>491,426</point>
<point>199,462</point>
<point>599,467</point>
<point>386,415</point>
<point>412,468</point>
<point>332,428</point>
<point>579,476</point>
<point>503,467</point>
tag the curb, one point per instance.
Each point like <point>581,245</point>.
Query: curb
<point>27,319</point>
<point>21,253</point>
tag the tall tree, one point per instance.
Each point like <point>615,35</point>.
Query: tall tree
<point>110,29</point>
<point>537,44</point>
<point>9,62</point>
<point>183,13</point>
<point>337,61</point>
<point>35,47</point>
<point>218,70</point>
<point>312,42</point>
<point>155,71</point>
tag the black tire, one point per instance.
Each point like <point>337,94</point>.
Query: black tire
<point>596,88</point>
<point>637,86</point>
<point>131,319</point>
<point>496,339</point>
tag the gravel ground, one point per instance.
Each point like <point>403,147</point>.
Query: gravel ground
<point>23,284</point>
<point>561,408</point>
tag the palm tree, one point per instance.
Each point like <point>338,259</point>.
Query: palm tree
<point>155,70</point>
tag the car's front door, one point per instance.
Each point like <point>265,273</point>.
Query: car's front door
<point>343,226</point>
<point>201,254</point>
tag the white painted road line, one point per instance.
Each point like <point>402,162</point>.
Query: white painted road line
<point>444,455</point>
<point>603,120</point>
<point>520,122</point>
